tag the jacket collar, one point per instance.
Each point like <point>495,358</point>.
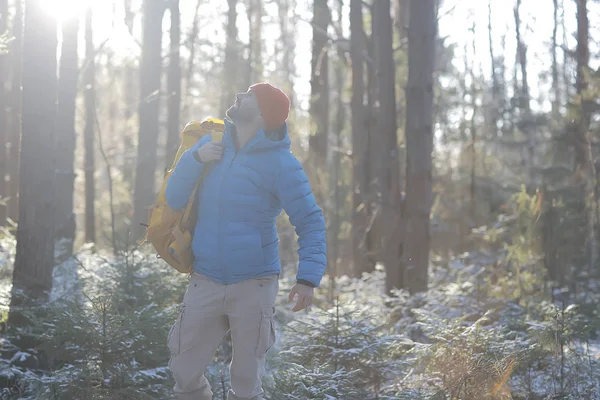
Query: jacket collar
<point>261,141</point>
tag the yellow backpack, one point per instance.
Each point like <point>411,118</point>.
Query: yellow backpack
<point>170,231</point>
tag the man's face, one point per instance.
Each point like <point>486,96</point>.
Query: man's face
<point>245,109</point>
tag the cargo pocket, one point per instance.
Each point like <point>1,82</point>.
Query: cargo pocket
<point>266,338</point>
<point>174,337</point>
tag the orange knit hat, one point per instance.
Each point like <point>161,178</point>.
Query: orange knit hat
<point>274,104</point>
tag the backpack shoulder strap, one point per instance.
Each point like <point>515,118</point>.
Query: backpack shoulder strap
<point>216,137</point>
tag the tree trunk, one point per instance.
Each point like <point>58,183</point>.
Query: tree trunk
<point>131,92</point>
<point>495,107</point>
<point>65,135</point>
<point>419,142</point>
<point>464,223</point>
<point>583,149</point>
<point>334,177</point>
<point>128,143</point>
<point>287,48</point>
<point>334,204</point>
<point>112,145</point>
<point>556,99</point>
<point>360,143</point>
<point>32,275</point>
<point>505,117</point>
<point>473,129</point>
<point>250,4</point>
<point>388,173</point>
<point>231,59</point>
<point>319,86</point>
<point>257,50</point>
<point>402,15</point>
<point>150,71</point>
<point>89,78</point>
<point>566,55</point>
<point>174,85</point>
<point>525,98</point>
<point>583,51</point>
<point>189,73</point>
<point>113,104</point>
<point>3,122</point>
<point>255,12</point>
<point>14,150</point>
<point>374,149</point>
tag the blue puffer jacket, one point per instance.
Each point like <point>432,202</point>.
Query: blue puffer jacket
<point>235,236</point>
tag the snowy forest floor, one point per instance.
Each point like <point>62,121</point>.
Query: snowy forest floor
<point>473,335</point>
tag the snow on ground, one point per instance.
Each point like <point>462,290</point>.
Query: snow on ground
<point>455,294</point>
<point>8,246</point>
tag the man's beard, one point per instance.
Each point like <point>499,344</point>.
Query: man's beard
<point>238,115</point>
<point>231,112</point>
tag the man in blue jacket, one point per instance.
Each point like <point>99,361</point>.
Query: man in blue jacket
<point>252,177</point>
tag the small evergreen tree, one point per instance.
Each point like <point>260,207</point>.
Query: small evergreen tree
<point>338,353</point>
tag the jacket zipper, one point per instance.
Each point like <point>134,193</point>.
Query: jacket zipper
<point>221,213</point>
<point>235,145</point>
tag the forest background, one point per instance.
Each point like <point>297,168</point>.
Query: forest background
<point>451,144</point>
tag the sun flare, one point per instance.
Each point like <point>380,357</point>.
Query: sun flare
<point>64,9</point>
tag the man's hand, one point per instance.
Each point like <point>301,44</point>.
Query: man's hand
<point>210,151</point>
<point>305,296</point>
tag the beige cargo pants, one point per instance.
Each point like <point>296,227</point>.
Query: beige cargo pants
<point>208,312</point>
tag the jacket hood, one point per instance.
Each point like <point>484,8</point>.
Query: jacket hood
<point>278,139</point>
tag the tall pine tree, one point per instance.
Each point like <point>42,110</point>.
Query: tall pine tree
<point>32,275</point>
<point>90,115</point>
<point>174,83</point>
<point>150,71</point>
<point>419,142</point>
<point>65,134</point>
<point>3,135</point>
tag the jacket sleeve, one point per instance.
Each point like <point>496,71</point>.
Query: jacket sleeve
<point>184,177</point>
<point>294,192</point>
